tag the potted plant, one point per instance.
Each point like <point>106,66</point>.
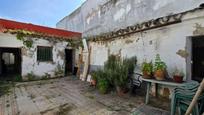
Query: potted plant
<point>130,63</point>
<point>102,81</point>
<point>147,70</point>
<point>93,78</point>
<point>159,68</point>
<point>103,86</point>
<point>178,76</point>
<point>121,79</point>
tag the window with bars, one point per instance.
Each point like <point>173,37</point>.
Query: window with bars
<point>44,53</point>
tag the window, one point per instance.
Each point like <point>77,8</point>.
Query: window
<point>44,53</point>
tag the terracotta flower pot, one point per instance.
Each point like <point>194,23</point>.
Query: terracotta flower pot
<point>146,75</point>
<point>178,79</point>
<point>93,82</point>
<point>159,75</point>
<point>121,91</point>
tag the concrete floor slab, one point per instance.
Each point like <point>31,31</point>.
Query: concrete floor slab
<point>65,96</point>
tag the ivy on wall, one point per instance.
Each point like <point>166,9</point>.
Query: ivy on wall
<point>21,36</point>
<point>75,43</point>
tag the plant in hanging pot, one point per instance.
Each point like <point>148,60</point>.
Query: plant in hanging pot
<point>178,75</point>
<point>159,68</point>
<point>147,70</point>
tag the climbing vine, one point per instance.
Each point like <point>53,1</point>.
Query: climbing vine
<point>28,43</point>
<point>21,36</point>
<point>75,43</point>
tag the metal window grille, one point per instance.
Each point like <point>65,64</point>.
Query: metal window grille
<point>44,53</point>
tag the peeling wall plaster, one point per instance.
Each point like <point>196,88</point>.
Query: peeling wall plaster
<point>169,42</point>
<point>29,56</point>
<point>119,14</point>
<point>199,29</point>
<point>100,16</point>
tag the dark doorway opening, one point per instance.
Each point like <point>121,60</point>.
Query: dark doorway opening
<point>68,61</point>
<point>10,63</point>
<point>198,58</point>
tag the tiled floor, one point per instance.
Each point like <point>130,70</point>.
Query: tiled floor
<point>65,96</point>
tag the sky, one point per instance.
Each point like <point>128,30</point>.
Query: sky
<point>40,12</point>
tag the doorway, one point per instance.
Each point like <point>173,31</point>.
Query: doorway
<point>68,61</point>
<point>198,58</point>
<point>10,64</point>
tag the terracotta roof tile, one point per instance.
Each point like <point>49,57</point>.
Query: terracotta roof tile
<point>47,31</point>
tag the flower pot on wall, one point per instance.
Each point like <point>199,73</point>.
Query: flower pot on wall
<point>178,75</point>
<point>121,91</point>
<point>147,70</point>
<point>93,82</point>
<point>159,68</point>
<point>178,79</point>
<point>146,75</point>
<point>159,75</point>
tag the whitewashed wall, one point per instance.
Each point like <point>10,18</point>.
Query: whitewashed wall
<point>29,56</point>
<point>94,17</point>
<point>166,41</point>
<point>30,63</point>
<point>8,40</point>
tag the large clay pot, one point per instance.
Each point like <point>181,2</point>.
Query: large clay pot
<point>93,82</point>
<point>146,75</point>
<point>159,75</point>
<point>121,91</point>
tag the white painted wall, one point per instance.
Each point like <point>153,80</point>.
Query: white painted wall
<point>29,56</point>
<point>95,17</point>
<point>30,63</point>
<point>165,41</point>
<point>9,40</point>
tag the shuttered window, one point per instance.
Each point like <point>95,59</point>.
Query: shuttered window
<point>44,53</point>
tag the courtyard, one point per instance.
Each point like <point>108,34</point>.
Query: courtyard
<point>71,96</point>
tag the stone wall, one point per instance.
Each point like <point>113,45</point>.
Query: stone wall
<point>100,16</point>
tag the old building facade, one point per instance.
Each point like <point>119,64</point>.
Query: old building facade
<point>35,51</point>
<point>143,28</point>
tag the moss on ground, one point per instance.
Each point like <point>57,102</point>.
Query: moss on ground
<point>5,88</point>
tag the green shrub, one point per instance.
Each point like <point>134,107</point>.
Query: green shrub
<point>112,62</point>
<point>5,89</point>
<point>130,64</point>
<point>115,73</point>
<point>94,75</point>
<point>118,70</point>
<point>44,77</point>
<point>102,81</point>
<point>103,86</point>
<point>31,76</point>
<point>147,67</point>
<point>18,78</point>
